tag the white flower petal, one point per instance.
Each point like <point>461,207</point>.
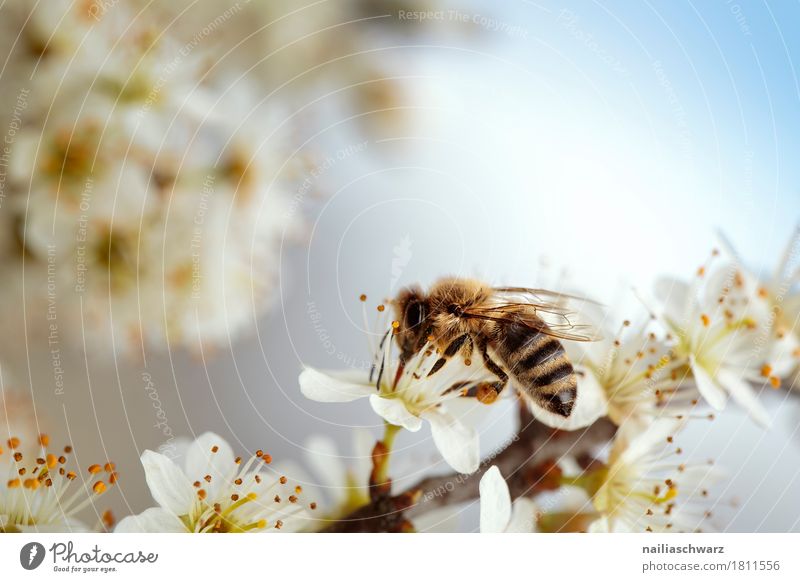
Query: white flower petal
<point>328,466</point>
<point>602,525</point>
<point>674,296</point>
<point>713,394</point>
<point>495,502</point>
<point>168,485</point>
<point>334,386</point>
<point>153,520</point>
<point>632,443</point>
<point>523,516</point>
<point>457,443</point>
<point>745,397</point>
<point>440,520</point>
<point>394,411</point>
<point>201,461</point>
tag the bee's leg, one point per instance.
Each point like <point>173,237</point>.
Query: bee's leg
<point>450,351</point>
<point>487,392</point>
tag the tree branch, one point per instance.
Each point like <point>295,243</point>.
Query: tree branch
<point>526,463</point>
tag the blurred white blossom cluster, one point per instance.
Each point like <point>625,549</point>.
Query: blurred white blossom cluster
<point>147,191</point>
<point>726,334</point>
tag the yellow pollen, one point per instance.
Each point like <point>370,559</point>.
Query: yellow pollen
<point>701,271</point>
<point>705,319</point>
<point>13,483</point>
<point>201,493</point>
<point>12,443</point>
<point>775,382</point>
<point>99,488</point>
<point>766,370</point>
<point>108,518</point>
<point>267,459</point>
<point>671,493</point>
<point>298,490</point>
<point>71,475</point>
<point>109,467</point>
<point>395,324</point>
<point>44,440</point>
<point>486,394</point>
<point>259,453</point>
<point>362,297</point>
<point>52,461</point>
<point>95,469</point>
<point>32,484</point>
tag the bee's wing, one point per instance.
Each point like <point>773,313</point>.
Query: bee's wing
<point>545,296</point>
<point>555,314</point>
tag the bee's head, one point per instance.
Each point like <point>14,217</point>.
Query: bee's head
<point>412,310</point>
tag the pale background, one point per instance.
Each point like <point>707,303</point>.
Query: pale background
<point>614,141</point>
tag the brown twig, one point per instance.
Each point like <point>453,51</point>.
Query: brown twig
<point>527,463</point>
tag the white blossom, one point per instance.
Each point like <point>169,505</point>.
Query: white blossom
<point>721,330</point>
<point>405,395</point>
<point>215,492</point>
<point>40,494</point>
<point>645,486</point>
<point>498,514</point>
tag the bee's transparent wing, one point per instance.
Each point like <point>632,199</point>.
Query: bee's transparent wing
<point>560,315</point>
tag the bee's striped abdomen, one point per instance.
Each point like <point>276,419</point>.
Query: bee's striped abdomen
<point>540,367</point>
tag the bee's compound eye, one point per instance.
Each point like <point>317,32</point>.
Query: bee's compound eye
<point>415,314</point>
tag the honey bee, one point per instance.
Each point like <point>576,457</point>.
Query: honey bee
<point>506,325</point>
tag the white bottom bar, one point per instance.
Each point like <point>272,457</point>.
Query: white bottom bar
<point>388,558</point>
